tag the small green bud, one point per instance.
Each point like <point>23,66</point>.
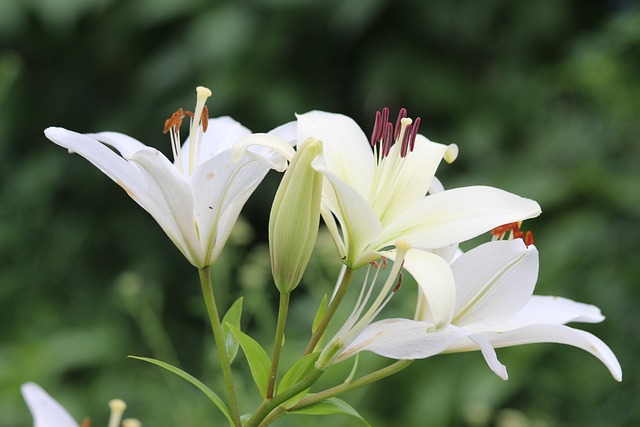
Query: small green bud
<point>295,217</point>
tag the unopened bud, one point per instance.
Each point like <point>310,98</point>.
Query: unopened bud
<point>295,217</point>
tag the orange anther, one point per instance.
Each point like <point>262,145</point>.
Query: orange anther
<point>175,121</point>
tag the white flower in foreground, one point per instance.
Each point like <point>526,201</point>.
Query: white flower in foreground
<point>379,196</point>
<point>47,412</point>
<point>197,198</point>
<point>494,307</point>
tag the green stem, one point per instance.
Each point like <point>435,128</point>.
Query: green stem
<point>257,419</point>
<point>331,309</point>
<point>218,335</point>
<point>337,390</point>
<point>277,346</point>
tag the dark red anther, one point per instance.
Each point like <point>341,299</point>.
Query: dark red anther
<point>414,133</point>
<point>376,129</point>
<point>404,148</point>
<point>401,115</point>
<point>384,119</point>
<point>387,140</point>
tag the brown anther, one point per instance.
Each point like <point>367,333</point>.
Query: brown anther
<point>383,260</point>
<point>205,118</point>
<point>175,121</point>
<point>514,227</point>
<point>399,283</point>
<point>86,423</point>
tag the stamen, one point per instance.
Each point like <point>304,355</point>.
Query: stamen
<point>86,423</point>
<point>405,133</point>
<point>377,126</point>
<point>398,284</point>
<point>401,115</point>
<point>414,133</point>
<point>387,140</point>
<point>501,231</point>
<point>117,407</point>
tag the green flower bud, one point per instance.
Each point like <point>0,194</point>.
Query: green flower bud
<point>295,217</point>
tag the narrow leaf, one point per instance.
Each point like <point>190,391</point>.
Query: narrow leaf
<point>319,314</point>
<point>232,317</point>
<point>356,362</point>
<point>296,373</point>
<point>193,380</point>
<point>259,362</point>
<point>331,406</point>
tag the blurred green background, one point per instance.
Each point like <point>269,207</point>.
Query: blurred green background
<point>543,99</point>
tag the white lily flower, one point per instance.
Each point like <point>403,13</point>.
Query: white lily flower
<point>379,196</point>
<point>494,308</point>
<point>47,412</point>
<point>197,198</point>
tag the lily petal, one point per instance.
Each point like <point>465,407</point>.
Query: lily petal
<point>490,356</point>
<point>406,180</point>
<point>403,339</point>
<point>358,221</point>
<point>46,411</point>
<point>551,309</point>
<point>220,190</point>
<point>456,215</point>
<point>125,144</point>
<point>436,282</point>
<point>560,334</point>
<point>345,146</point>
<point>165,183</point>
<point>494,281</point>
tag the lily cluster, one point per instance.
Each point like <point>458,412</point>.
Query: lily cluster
<point>387,213</point>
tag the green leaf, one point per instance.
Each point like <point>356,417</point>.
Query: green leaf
<point>259,362</point>
<point>331,406</point>
<point>193,380</point>
<point>319,314</point>
<point>296,373</point>
<point>233,318</point>
<point>356,362</point>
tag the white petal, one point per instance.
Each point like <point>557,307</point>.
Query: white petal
<point>270,149</point>
<point>562,335</point>
<point>403,339</point>
<point>166,183</point>
<point>404,181</point>
<point>359,223</point>
<point>287,131</point>
<point>550,309</point>
<point>490,356</point>
<point>434,276</point>
<point>124,173</point>
<point>45,410</point>
<point>453,216</point>
<point>125,144</point>
<point>494,281</point>
<point>220,190</point>
<point>221,134</point>
<point>345,147</point>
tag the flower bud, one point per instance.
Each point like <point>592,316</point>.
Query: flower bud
<point>295,216</point>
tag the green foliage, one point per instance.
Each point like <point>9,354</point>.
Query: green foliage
<point>190,378</point>
<point>259,362</point>
<point>232,317</point>
<point>329,407</point>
